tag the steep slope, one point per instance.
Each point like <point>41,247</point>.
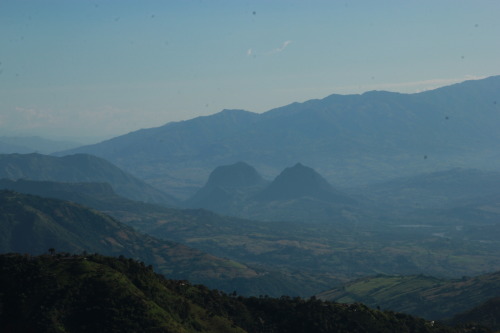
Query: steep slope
<point>91,293</point>
<point>79,168</point>
<point>31,224</point>
<point>300,181</point>
<point>227,187</point>
<point>423,296</point>
<point>487,314</point>
<point>234,176</point>
<point>351,140</point>
<point>101,294</point>
<point>100,196</point>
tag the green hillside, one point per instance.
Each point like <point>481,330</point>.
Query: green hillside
<point>420,295</point>
<point>93,293</point>
<point>31,224</point>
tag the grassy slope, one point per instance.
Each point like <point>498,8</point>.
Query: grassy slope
<point>31,224</point>
<point>313,256</point>
<point>424,296</point>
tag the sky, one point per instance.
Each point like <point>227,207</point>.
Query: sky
<point>88,70</point>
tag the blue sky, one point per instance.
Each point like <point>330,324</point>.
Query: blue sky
<point>96,69</point>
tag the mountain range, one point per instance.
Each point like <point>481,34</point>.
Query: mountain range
<point>415,192</point>
<point>350,139</point>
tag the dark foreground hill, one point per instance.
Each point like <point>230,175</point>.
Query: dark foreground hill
<point>350,139</point>
<point>93,293</point>
<point>420,295</point>
<point>486,314</point>
<point>79,168</point>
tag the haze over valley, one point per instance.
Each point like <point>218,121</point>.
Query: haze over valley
<point>249,167</point>
<point>296,234</point>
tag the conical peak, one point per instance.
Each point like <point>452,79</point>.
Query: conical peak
<point>301,176</point>
<point>239,174</point>
<point>298,181</point>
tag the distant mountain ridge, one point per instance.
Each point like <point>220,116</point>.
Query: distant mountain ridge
<point>79,168</point>
<point>350,139</point>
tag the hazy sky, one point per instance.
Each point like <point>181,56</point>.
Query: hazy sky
<point>78,68</point>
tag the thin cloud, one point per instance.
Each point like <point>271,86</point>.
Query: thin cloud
<point>282,48</point>
<point>251,52</point>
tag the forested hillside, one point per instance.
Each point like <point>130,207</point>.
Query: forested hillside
<point>93,293</point>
